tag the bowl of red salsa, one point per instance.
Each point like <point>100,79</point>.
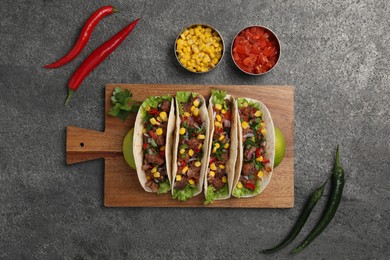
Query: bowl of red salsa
<point>255,50</point>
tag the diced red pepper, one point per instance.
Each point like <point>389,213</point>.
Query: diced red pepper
<point>162,154</point>
<point>212,159</point>
<point>153,111</point>
<point>145,146</point>
<point>258,152</point>
<point>152,134</point>
<point>249,185</point>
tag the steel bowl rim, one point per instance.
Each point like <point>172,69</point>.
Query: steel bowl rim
<point>277,40</point>
<point>194,25</point>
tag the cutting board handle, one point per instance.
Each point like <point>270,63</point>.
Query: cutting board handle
<point>84,145</point>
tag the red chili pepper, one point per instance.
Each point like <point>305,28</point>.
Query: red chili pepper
<point>153,111</point>
<point>249,185</point>
<point>96,57</point>
<point>85,34</point>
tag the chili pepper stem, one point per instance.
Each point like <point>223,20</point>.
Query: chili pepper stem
<point>337,163</point>
<point>115,10</point>
<point>70,94</point>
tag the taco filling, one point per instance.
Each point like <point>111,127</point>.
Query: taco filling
<point>192,135</point>
<point>254,162</point>
<point>217,178</point>
<point>155,118</point>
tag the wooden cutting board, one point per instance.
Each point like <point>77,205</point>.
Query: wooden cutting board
<point>121,185</point>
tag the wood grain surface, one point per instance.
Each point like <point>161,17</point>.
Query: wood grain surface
<point>121,185</point>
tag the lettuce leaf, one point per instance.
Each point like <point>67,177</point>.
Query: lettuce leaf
<point>184,194</point>
<point>182,97</point>
<point>238,193</point>
<point>212,194</point>
<point>241,101</point>
<point>153,102</point>
<point>164,187</point>
<point>218,96</point>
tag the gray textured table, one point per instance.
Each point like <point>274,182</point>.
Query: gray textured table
<point>335,53</point>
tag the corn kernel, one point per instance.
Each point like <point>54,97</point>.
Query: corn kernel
<point>221,137</point>
<point>159,119</point>
<point>147,108</point>
<point>224,179</point>
<point>162,148</point>
<point>260,174</point>
<point>197,164</point>
<point>156,175</point>
<point>199,146</point>
<point>182,131</point>
<point>159,131</point>
<point>191,181</point>
<point>212,174</point>
<point>221,166</point>
<point>185,169</point>
<point>219,118</point>
<point>144,130</point>
<point>226,146</point>
<point>182,151</point>
<point>154,169</point>
<point>192,108</point>
<point>213,167</point>
<point>201,137</point>
<point>244,125</point>
<point>153,121</point>
<point>214,150</point>
<point>186,114</point>
<point>196,111</point>
<point>253,139</point>
<point>239,185</point>
<point>217,145</point>
<point>218,106</point>
<point>262,124</point>
<point>190,152</point>
<point>163,116</point>
<point>178,177</point>
<point>263,131</point>
<point>223,111</point>
<point>257,113</point>
<point>196,102</point>
<point>245,104</point>
<point>218,124</point>
<point>260,159</point>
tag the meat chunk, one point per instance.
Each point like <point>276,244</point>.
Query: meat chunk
<point>152,185</point>
<point>248,169</point>
<point>154,158</point>
<point>160,140</point>
<point>193,173</point>
<point>180,185</point>
<point>193,143</point>
<point>165,105</point>
<point>224,158</point>
<point>216,183</point>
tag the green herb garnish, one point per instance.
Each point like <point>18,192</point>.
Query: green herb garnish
<point>122,103</point>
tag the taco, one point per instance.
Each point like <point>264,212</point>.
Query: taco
<point>190,145</point>
<point>152,143</point>
<point>256,148</point>
<point>222,152</point>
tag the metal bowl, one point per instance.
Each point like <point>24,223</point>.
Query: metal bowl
<point>272,34</point>
<point>193,26</point>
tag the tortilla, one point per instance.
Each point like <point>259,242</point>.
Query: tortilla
<point>230,164</point>
<point>138,143</point>
<point>270,148</point>
<point>205,119</point>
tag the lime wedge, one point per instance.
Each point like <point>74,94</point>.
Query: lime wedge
<point>127,148</point>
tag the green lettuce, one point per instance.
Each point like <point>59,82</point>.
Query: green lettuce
<point>153,102</point>
<point>164,187</point>
<point>212,194</point>
<point>182,97</point>
<point>218,96</point>
<point>241,101</point>
<point>184,194</point>
<point>238,193</point>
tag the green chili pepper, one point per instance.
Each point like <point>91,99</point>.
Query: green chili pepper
<point>337,178</point>
<point>315,196</point>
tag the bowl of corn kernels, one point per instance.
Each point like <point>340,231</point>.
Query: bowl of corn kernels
<point>199,48</point>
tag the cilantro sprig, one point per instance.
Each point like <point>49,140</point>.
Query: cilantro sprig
<point>122,103</point>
